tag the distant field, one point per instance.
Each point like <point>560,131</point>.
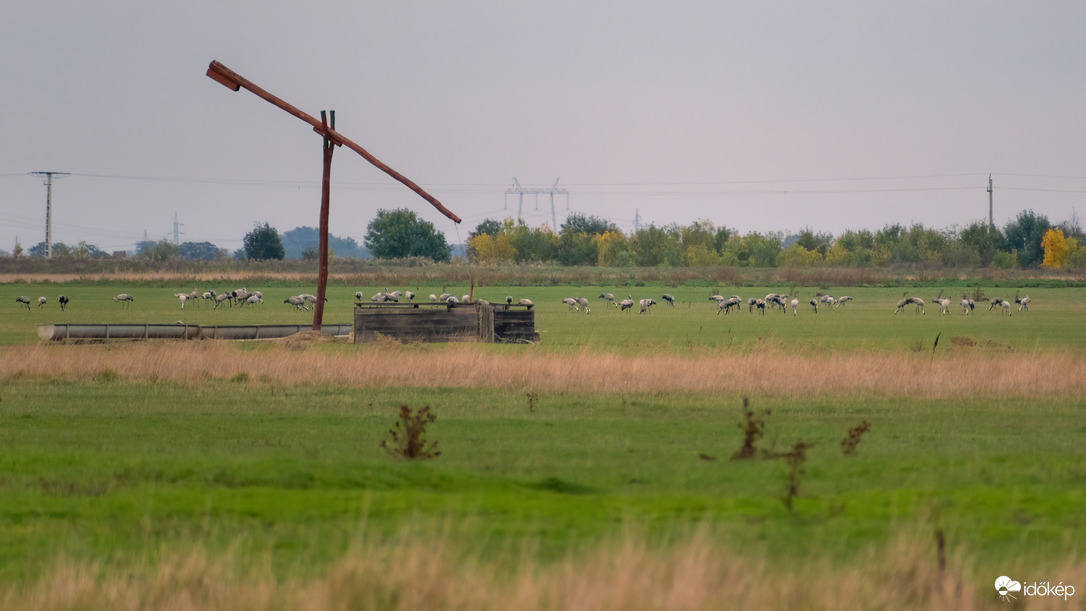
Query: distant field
<point>867,322</point>
<point>589,471</point>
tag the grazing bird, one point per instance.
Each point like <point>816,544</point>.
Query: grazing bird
<point>223,298</point>
<point>1006,305</point>
<point>183,297</point>
<point>795,303</point>
<point>23,299</point>
<point>842,300</point>
<point>626,304</point>
<point>508,299</point>
<point>358,296</point>
<point>669,298</point>
<point>993,302</point>
<point>729,303</point>
<point>583,302</point>
<point>42,300</point>
<point>526,302</point>
<point>777,300</point>
<point>919,303</point>
<point>410,295</point>
<point>761,306</point>
<point>571,302</point>
<point>814,304</point>
<point>63,300</point>
<point>253,299</point>
<point>944,305</point>
<point>646,304</point>
<point>828,300</point>
<point>967,305</point>
<point>1023,303</point>
<point>298,302</point>
<point>904,302</point>
<point>609,298</point>
<point>433,297</point>
<point>124,298</point>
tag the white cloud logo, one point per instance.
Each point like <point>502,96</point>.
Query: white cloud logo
<point>1005,585</point>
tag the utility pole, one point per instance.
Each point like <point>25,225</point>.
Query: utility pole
<point>991,220</point>
<point>176,231</point>
<point>637,220</point>
<point>49,209</point>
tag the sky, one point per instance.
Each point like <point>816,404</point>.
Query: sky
<point>757,116</point>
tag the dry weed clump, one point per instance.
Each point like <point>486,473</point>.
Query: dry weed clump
<point>626,575</point>
<point>766,372</point>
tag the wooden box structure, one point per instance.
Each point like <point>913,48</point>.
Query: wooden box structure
<point>444,322</point>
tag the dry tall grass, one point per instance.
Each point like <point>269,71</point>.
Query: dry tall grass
<point>628,576</point>
<point>778,373</point>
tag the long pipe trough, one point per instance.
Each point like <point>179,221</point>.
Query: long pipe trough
<point>105,331</point>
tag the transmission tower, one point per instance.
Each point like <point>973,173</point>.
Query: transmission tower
<point>518,189</point>
<point>176,229</point>
<point>49,209</point>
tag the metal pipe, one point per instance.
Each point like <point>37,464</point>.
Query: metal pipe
<point>61,332</point>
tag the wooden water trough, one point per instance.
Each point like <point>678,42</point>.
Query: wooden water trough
<point>444,322</point>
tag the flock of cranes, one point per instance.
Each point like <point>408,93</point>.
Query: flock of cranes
<point>725,305</point>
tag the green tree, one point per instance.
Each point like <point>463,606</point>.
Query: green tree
<point>158,252</point>
<point>395,234</point>
<point>488,227</point>
<point>201,251</point>
<point>654,245</point>
<point>982,240</point>
<point>818,242</point>
<point>1024,235</point>
<point>532,245</point>
<point>263,243</point>
<point>588,225</point>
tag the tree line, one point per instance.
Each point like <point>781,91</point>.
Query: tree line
<point>1029,240</point>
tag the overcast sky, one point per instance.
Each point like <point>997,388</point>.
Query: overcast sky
<point>758,116</point>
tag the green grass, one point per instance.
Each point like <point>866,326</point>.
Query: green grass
<point>866,323</point>
<point>123,470</point>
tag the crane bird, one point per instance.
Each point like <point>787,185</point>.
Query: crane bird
<point>124,298</point>
<point>24,300</point>
<point>42,300</point>
<point>63,300</point>
<point>298,302</point>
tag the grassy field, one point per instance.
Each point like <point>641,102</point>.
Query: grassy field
<point>589,471</point>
